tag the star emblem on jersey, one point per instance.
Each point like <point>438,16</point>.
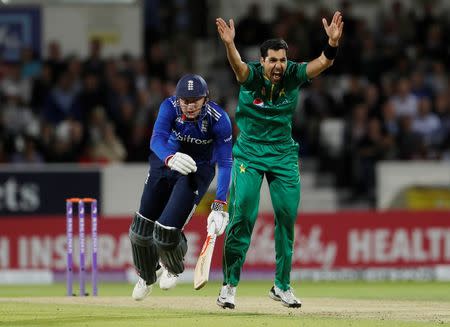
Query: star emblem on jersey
<point>242,168</point>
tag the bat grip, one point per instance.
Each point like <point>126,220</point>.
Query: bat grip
<point>211,228</point>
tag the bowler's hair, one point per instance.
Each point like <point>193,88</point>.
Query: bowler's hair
<point>274,44</point>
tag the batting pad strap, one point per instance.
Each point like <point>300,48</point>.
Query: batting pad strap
<point>166,237</point>
<point>141,230</point>
<point>171,245</point>
<point>142,217</point>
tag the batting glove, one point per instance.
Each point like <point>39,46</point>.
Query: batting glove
<point>182,163</point>
<point>218,218</point>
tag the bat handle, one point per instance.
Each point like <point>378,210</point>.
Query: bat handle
<point>211,228</point>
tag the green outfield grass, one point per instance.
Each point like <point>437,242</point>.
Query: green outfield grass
<point>324,304</point>
<point>406,290</point>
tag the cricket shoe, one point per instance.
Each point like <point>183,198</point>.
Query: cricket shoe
<point>226,297</point>
<point>141,289</point>
<point>287,297</point>
<point>167,279</point>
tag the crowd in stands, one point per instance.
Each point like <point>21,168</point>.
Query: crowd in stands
<point>389,86</point>
<point>80,110</point>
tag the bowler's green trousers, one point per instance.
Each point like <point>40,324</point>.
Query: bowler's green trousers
<point>279,163</point>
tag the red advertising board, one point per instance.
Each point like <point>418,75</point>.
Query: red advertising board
<point>354,240</point>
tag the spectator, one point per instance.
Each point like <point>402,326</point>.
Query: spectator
<point>119,92</point>
<point>75,71</point>
<point>389,119</point>
<point>371,63</point>
<point>92,95</point>
<point>405,103</point>
<point>435,45</point>
<point>442,105</point>
<point>41,87</point>
<point>318,105</point>
<point>27,151</point>
<point>427,124</point>
<point>438,78</point>
<point>94,62</point>
<point>31,67</point>
<point>16,116</point>
<point>63,102</point>
<point>373,100</point>
<point>372,147</point>
<point>409,143</point>
<point>54,59</point>
<point>354,93</point>
<point>67,142</point>
<point>418,85</point>
<point>140,74</point>
<point>138,143</point>
<point>109,148</point>
<point>355,130</point>
<point>13,79</point>
<point>125,124</point>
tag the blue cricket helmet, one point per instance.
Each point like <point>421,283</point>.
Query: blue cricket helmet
<point>191,86</point>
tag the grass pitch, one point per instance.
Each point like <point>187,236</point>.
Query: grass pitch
<point>324,304</point>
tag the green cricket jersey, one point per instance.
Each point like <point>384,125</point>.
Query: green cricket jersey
<point>264,112</point>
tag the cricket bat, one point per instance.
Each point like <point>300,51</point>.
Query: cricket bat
<point>201,273</point>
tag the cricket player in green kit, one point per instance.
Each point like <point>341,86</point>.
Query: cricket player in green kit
<point>267,100</point>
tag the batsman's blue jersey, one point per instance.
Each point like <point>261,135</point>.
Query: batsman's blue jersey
<point>207,140</point>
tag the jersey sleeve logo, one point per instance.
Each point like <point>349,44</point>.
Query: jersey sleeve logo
<point>213,112</point>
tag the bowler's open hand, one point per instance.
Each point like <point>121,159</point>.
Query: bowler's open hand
<point>226,32</point>
<point>334,30</point>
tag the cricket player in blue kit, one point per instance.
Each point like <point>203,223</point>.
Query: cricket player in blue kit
<point>191,135</point>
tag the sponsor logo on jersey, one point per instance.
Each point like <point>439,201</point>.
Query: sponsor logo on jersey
<point>228,139</point>
<point>258,102</point>
<point>190,139</point>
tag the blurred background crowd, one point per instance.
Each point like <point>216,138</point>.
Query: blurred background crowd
<point>385,98</point>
